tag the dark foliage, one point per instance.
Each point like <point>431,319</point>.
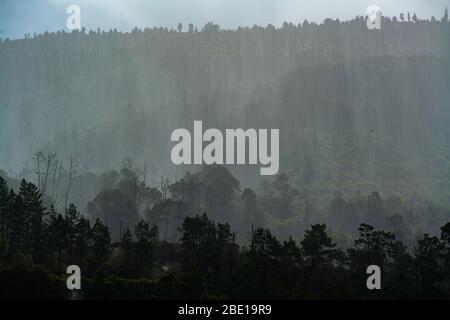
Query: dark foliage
<point>207,262</point>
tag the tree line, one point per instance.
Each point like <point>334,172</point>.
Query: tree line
<point>207,261</point>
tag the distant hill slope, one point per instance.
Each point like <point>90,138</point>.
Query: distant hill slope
<point>357,109</point>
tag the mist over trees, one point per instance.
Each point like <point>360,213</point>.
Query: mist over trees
<point>86,178</point>
<point>357,109</point>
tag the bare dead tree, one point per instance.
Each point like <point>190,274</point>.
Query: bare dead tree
<point>69,183</point>
<point>54,173</point>
<point>37,162</point>
<point>164,184</point>
<point>50,163</point>
<point>60,169</point>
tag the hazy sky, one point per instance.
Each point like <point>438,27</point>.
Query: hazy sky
<point>18,17</point>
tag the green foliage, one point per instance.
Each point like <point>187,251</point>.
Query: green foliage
<point>204,242</point>
<point>429,265</point>
<point>317,246</point>
<point>207,262</point>
<point>343,142</point>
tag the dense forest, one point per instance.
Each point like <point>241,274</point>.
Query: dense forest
<point>357,109</point>
<point>85,125</point>
<point>207,262</point>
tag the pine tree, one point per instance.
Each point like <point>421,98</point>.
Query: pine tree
<point>146,238</point>
<point>445,238</point>
<point>373,247</point>
<point>429,261</point>
<point>34,213</point>
<point>17,225</point>
<point>71,219</point>
<point>57,235</point>
<point>127,254</point>
<point>4,215</point>
<point>101,244</point>
<point>317,247</point>
<point>82,241</point>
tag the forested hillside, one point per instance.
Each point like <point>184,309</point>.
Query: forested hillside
<point>363,118</point>
<point>86,176</point>
<point>357,109</point>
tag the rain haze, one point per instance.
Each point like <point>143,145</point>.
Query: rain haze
<point>225,149</point>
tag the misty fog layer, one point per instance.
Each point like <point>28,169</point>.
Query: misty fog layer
<point>357,109</point>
